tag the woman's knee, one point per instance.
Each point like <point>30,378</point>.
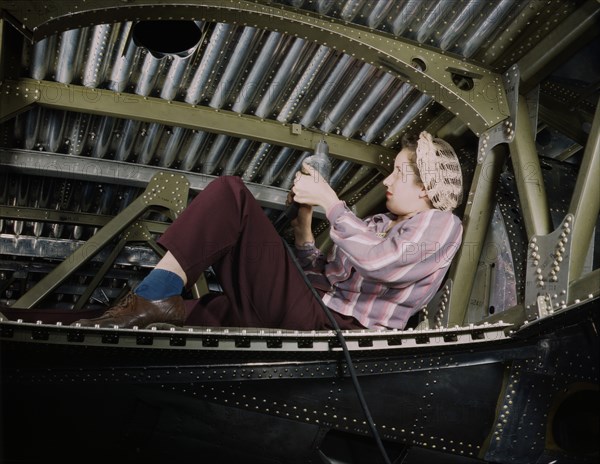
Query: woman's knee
<point>230,183</point>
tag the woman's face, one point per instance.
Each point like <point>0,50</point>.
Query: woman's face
<point>405,194</point>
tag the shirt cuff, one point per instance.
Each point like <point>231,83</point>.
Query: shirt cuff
<point>305,246</point>
<point>335,211</point>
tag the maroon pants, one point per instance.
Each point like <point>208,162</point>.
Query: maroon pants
<point>225,227</point>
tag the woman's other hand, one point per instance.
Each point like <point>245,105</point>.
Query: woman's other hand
<point>311,189</point>
<point>302,223</point>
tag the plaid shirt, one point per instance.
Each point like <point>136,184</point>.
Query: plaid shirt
<point>382,279</point>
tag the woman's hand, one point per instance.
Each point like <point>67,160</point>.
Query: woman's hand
<point>302,223</point>
<point>311,189</point>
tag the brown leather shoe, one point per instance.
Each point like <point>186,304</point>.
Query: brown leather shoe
<point>133,310</point>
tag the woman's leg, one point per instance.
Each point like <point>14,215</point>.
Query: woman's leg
<point>225,227</point>
<point>169,263</point>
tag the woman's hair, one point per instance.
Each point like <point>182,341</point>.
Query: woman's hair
<point>437,168</point>
<point>409,141</point>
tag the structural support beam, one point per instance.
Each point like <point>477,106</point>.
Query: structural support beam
<point>477,217</point>
<point>541,60</point>
<point>585,203</point>
<point>23,213</point>
<point>560,42</point>
<point>528,174</point>
<point>564,119</point>
<point>482,104</point>
<point>121,173</point>
<point>3,27</point>
<point>586,287</point>
<point>14,99</point>
<point>165,190</point>
<point>17,96</point>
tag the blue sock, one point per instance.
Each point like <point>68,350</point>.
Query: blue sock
<point>159,284</point>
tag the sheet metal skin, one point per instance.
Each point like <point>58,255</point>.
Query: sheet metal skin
<point>497,398</point>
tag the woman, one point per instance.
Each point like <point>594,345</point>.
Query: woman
<point>380,271</point>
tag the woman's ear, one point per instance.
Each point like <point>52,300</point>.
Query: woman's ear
<point>423,192</point>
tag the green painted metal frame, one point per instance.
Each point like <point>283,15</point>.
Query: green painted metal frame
<point>20,95</point>
<point>481,107</point>
<point>557,256</point>
<point>528,176</point>
<point>63,166</point>
<point>585,202</point>
<point>577,29</point>
<point>20,213</point>
<point>476,220</point>
<point>168,192</point>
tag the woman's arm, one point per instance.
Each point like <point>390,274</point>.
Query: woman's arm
<point>423,244</point>
<point>302,226</point>
<point>311,189</point>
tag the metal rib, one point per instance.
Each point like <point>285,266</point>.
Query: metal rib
<point>235,158</point>
<point>175,140</point>
<point>287,181</point>
<point>261,66</point>
<point>276,165</point>
<point>193,151</point>
<point>387,113</point>
<point>339,173</point>
<point>215,154</point>
<point>378,13</point>
<point>316,107</point>
<point>347,98</point>
<point>103,137</point>
<point>95,63</point>
<point>282,76</point>
<point>77,134</point>
<point>367,105</point>
<point>68,55</point>
<point>256,162</point>
<point>56,125</point>
<point>408,116</point>
<point>43,51</point>
<point>130,132</point>
<point>429,24</point>
<point>124,55</point>
<point>482,31</point>
<point>351,9</point>
<point>31,121</point>
<point>217,42</point>
<point>323,6</point>
<point>456,27</point>
<point>304,83</point>
<point>406,16</point>
<point>230,76</point>
<point>148,74</point>
<point>150,142</point>
<point>174,76</point>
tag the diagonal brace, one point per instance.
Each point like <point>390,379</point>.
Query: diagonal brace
<point>168,191</point>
